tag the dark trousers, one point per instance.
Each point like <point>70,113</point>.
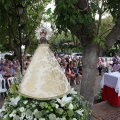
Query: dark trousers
<point>100,70</point>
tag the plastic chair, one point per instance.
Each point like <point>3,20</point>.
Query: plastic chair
<point>1,76</point>
<point>10,81</point>
<point>3,87</point>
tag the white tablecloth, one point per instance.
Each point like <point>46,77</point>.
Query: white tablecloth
<point>112,80</point>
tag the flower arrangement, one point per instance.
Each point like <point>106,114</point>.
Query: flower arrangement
<point>69,107</point>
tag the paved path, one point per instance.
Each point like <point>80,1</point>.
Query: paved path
<point>1,102</point>
<point>104,111</point>
<point>97,85</point>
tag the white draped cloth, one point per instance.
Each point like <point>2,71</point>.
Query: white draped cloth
<point>112,80</point>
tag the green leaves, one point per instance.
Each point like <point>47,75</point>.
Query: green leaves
<point>112,6</point>
<point>48,12</point>
<point>52,117</point>
<point>96,40</point>
<point>94,7</point>
<point>66,13</point>
<point>38,114</point>
<point>8,118</point>
<point>70,113</point>
<point>59,111</point>
<point>31,18</point>
<point>7,4</point>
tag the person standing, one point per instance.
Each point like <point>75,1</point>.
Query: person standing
<point>115,58</point>
<point>70,74</point>
<point>116,67</point>
<point>99,66</point>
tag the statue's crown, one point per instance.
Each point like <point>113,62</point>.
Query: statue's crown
<point>43,33</point>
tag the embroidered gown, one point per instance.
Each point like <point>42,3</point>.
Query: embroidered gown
<point>44,78</point>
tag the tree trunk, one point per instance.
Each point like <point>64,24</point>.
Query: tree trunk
<point>89,69</point>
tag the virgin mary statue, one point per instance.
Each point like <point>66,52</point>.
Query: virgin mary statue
<point>44,78</point>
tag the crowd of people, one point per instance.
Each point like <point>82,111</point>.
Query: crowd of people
<point>111,65</point>
<point>72,67</point>
<point>11,68</point>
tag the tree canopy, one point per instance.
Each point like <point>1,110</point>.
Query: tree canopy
<point>30,19</point>
<point>78,16</point>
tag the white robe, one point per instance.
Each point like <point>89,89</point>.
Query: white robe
<point>44,78</point>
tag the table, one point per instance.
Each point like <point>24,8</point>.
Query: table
<point>111,88</point>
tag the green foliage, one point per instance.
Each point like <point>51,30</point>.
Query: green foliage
<point>96,40</point>
<point>64,42</point>
<point>112,6</point>
<point>111,52</point>
<point>98,97</point>
<point>68,15</point>
<point>94,8</point>
<point>30,19</point>
<point>106,27</point>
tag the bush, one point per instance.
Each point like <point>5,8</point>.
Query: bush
<point>98,97</point>
<point>69,107</point>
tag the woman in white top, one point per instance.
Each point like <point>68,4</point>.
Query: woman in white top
<point>104,65</point>
<point>107,64</point>
<point>62,67</point>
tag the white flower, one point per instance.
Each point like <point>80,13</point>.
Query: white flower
<point>73,91</point>
<point>30,118</point>
<point>14,101</point>
<point>70,106</point>
<point>2,109</point>
<point>22,115</point>
<point>27,116</point>
<point>13,114</point>
<point>35,119</point>
<point>35,111</point>
<point>64,100</point>
<point>74,119</point>
<point>42,119</point>
<point>21,118</point>
<point>80,112</point>
<point>33,105</point>
<point>36,102</point>
<point>56,106</point>
<point>63,118</point>
<point>25,102</point>
<point>16,117</point>
<point>1,114</point>
<point>22,109</point>
<point>5,116</point>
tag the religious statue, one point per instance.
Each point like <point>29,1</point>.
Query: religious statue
<point>44,78</point>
